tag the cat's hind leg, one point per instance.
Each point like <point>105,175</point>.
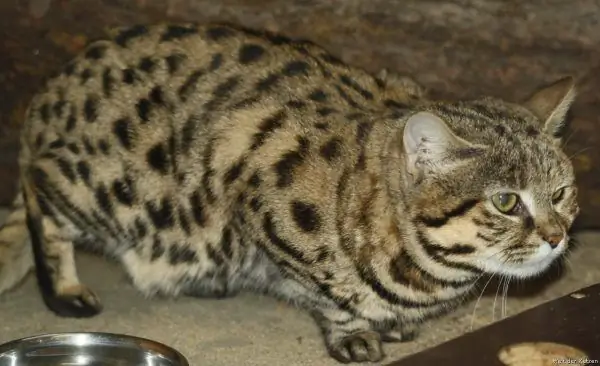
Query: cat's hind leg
<point>53,253</point>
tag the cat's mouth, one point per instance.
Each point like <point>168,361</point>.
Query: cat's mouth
<point>531,266</point>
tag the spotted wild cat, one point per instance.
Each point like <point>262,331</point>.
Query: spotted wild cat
<point>212,159</point>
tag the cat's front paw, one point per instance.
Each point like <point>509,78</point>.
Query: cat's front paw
<point>74,302</point>
<point>362,346</point>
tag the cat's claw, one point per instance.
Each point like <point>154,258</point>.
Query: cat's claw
<point>359,347</point>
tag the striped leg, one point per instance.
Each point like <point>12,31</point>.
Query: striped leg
<point>53,252</point>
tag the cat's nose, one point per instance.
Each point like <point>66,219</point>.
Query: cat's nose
<point>553,239</point>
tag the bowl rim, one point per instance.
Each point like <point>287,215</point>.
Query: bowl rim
<point>32,341</point>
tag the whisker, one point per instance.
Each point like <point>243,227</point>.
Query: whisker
<point>496,298</point>
<point>477,302</point>
<point>504,298</point>
<point>573,132</point>
<point>579,152</point>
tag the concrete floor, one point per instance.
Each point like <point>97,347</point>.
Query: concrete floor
<point>251,330</point>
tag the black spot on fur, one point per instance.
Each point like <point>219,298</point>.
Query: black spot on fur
<point>255,204</point>
<point>234,172</point>
<point>306,216</point>
<point>66,169</point>
<point>296,104</point>
<point>140,228</point>
<point>147,64</point>
<point>250,53</point>
<point>143,108</point>
<point>188,87</point>
<point>318,96</point>
<point>157,158</point>
<point>71,120</point>
<point>157,96</point>
<point>158,249</point>
<point>331,149</point>
<point>58,108</point>
<point>86,75</point>
<point>390,103</point>
<point>129,34</point>
<point>198,209</point>
<point>108,82</point>
<point>57,144</point>
<point>219,32</point>
<point>177,32</point>
<point>187,132</point>
<point>296,68</point>
<point>174,62</point>
<point>161,213</point>
<point>184,222</point>
<point>346,80</point>
<point>84,171</point>
<point>96,52</point>
<point>45,113</point>
<point>129,76</point>
<point>104,146</point>
<point>181,254</point>
<point>103,199</point>
<point>122,128</point>
<point>268,82</point>
<point>342,93</point>
<point>87,145</point>
<point>254,180</point>
<point>266,129</point>
<point>532,131</point>
<point>90,109</point>
<point>73,148</point>
<point>216,62</point>
<point>325,111</point>
<point>285,167</point>
<point>322,126</point>
<point>123,190</point>
<point>226,242</point>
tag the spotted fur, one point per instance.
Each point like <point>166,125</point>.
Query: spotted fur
<point>213,159</point>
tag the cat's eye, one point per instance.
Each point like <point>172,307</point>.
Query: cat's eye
<point>558,196</point>
<point>505,202</point>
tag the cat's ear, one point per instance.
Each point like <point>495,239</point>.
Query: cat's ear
<point>429,144</point>
<point>551,104</point>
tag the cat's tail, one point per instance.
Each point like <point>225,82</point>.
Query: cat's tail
<point>16,259</point>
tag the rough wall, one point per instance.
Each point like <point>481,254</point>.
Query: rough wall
<point>457,48</point>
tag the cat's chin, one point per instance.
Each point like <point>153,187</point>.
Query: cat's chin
<point>533,266</point>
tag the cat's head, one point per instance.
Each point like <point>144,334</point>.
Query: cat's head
<point>489,186</point>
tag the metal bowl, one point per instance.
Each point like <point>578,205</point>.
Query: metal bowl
<point>88,349</point>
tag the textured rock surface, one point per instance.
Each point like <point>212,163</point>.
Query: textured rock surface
<point>457,48</point>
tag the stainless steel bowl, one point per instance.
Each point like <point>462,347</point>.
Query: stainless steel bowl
<point>88,349</point>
